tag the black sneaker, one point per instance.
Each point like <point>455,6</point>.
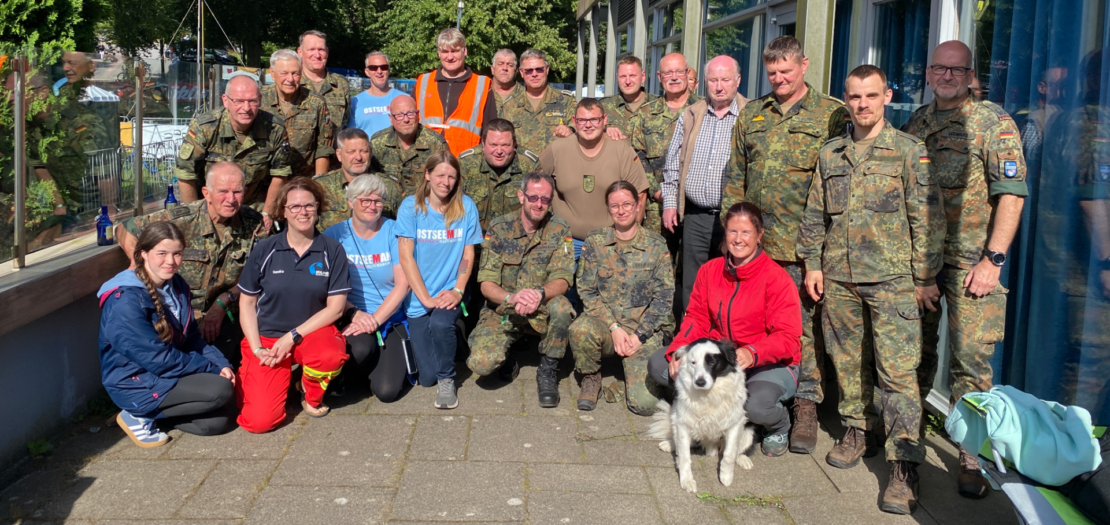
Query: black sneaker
<point>509,369</point>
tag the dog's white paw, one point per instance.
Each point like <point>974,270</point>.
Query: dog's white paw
<point>726,477</point>
<point>665,446</point>
<point>689,484</point>
<point>744,461</point>
<point>711,451</point>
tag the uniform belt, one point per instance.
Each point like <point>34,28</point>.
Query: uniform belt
<point>694,209</point>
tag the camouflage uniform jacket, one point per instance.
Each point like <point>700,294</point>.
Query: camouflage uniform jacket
<point>976,156</point>
<point>514,261</point>
<point>337,92</point>
<point>874,217</point>
<point>67,160</point>
<point>633,286</point>
<point>403,166</point>
<point>620,114</point>
<point>495,195</point>
<point>335,190</point>
<point>500,100</point>
<point>534,128</point>
<point>308,125</point>
<point>210,139</point>
<point>210,265</point>
<point>773,159</point>
<point>652,128</point>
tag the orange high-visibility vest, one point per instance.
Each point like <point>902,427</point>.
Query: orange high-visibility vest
<point>461,129</point>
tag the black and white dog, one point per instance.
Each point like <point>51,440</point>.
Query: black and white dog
<point>710,393</point>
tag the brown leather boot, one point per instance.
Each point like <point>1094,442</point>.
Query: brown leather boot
<point>900,496</point>
<point>803,436</point>
<point>850,449</point>
<point>971,483</point>
<point>588,391</point>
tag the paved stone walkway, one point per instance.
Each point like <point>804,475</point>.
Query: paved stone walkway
<point>497,458</point>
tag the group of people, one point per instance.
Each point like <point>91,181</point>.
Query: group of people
<point>800,228</point>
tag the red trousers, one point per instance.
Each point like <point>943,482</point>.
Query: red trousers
<point>262,390</point>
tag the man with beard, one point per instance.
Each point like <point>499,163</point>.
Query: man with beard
<point>631,97</point>
<point>491,172</point>
<point>354,152</point>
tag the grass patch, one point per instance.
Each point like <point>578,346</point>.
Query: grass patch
<point>39,447</point>
<point>745,500</point>
<point>934,424</point>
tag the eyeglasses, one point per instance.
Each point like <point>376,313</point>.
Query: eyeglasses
<point>595,121</point>
<point>405,115</point>
<point>532,70</point>
<point>252,102</point>
<point>296,209</point>
<point>626,206</point>
<point>939,70</point>
<point>672,73</point>
<point>533,198</point>
<point>369,203</point>
<point>376,67</point>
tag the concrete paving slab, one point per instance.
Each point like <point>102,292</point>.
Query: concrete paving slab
<point>562,508</point>
<point>447,491</point>
<point>230,490</point>
<point>852,508</point>
<point>321,505</point>
<point>532,400</point>
<point>237,444</point>
<point>624,452</point>
<point>786,475</point>
<point>129,490</point>
<point>354,402</point>
<point>473,399</point>
<point>940,498</point>
<point>440,437</point>
<point>28,494</point>
<point>607,421</point>
<point>753,515</point>
<point>124,448</point>
<point>588,478</point>
<point>678,506</point>
<point>347,451</point>
<point>531,439</point>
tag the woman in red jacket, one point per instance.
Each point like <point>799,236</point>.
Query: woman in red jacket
<point>746,298</point>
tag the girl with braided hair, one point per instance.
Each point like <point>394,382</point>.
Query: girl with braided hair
<point>153,361</point>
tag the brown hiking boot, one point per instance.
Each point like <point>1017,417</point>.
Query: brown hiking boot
<point>588,391</point>
<point>803,436</point>
<point>855,444</point>
<point>900,496</point>
<point>971,483</point>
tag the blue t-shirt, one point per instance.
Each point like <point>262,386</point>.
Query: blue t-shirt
<point>370,262</point>
<point>369,113</point>
<point>438,250</point>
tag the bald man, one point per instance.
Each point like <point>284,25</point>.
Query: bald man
<point>696,160</point>
<point>241,133</point>
<point>401,149</point>
<point>976,159</point>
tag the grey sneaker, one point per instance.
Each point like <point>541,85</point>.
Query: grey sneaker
<point>774,445</point>
<point>447,397</point>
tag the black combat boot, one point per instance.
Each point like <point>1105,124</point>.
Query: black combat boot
<point>547,382</point>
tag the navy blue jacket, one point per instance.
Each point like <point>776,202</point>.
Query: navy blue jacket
<point>136,367</point>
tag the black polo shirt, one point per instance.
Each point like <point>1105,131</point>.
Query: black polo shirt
<point>293,288</point>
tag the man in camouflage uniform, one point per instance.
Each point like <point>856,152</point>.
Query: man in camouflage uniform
<point>332,87</point>
<point>871,240</point>
<point>254,140</point>
<point>978,163</point>
<point>306,115</point>
<point>401,149</point>
<point>353,150</point>
<point>774,154</point>
<point>629,100</point>
<point>651,131</point>
<point>540,114</point>
<point>492,171</point>
<point>626,285</point>
<point>527,265</point>
<point>503,71</point>
<point>219,235</point>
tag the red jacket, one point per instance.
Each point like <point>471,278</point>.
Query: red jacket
<point>756,304</point>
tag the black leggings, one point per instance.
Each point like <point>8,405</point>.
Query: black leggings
<point>199,404</point>
<point>386,370</point>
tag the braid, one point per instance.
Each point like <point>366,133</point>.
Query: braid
<point>165,333</point>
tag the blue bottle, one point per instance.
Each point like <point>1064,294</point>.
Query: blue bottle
<point>171,201</point>
<point>104,233</point>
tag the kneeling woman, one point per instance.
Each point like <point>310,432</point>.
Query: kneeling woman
<point>626,286</point>
<point>294,288</point>
<point>746,298</point>
<point>153,362</point>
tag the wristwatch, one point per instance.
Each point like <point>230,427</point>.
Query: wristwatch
<point>543,293</point>
<point>297,338</point>
<point>232,296</point>
<point>643,337</point>
<point>996,258</point>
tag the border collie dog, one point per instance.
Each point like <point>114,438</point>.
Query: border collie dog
<point>708,408</point>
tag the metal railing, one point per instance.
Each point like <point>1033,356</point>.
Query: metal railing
<point>110,175</point>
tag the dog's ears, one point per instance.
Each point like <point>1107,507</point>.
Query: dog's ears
<point>680,353</point>
<point>728,350</point>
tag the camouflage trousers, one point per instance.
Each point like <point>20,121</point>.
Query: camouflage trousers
<point>1085,380</point>
<point>895,321</point>
<point>813,340</point>
<point>494,334</point>
<point>590,341</point>
<point>975,324</point>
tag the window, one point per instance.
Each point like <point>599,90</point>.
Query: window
<point>665,34</point>
<point>718,9</point>
<point>841,54</point>
<point>743,42</point>
<point>901,48</point>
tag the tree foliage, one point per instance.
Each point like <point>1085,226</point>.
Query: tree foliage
<point>52,26</point>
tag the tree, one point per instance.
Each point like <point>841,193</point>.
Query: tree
<point>138,24</point>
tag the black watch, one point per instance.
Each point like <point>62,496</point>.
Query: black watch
<point>297,338</point>
<point>996,258</point>
<point>643,337</point>
<point>543,293</point>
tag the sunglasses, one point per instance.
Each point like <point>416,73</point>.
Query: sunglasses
<point>533,198</point>
<point>532,70</point>
<point>376,67</point>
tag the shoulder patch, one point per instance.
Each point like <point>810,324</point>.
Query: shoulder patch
<point>468,152</point>
<point>997,110</point>
<point>179,212</point>
<point>250,213</point>
<point>555,219</point>
<point>531,156</point>
<point>208,117</point>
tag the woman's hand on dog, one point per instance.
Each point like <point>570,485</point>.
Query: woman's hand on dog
<point>744,358</point>
<point>676,362</point>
